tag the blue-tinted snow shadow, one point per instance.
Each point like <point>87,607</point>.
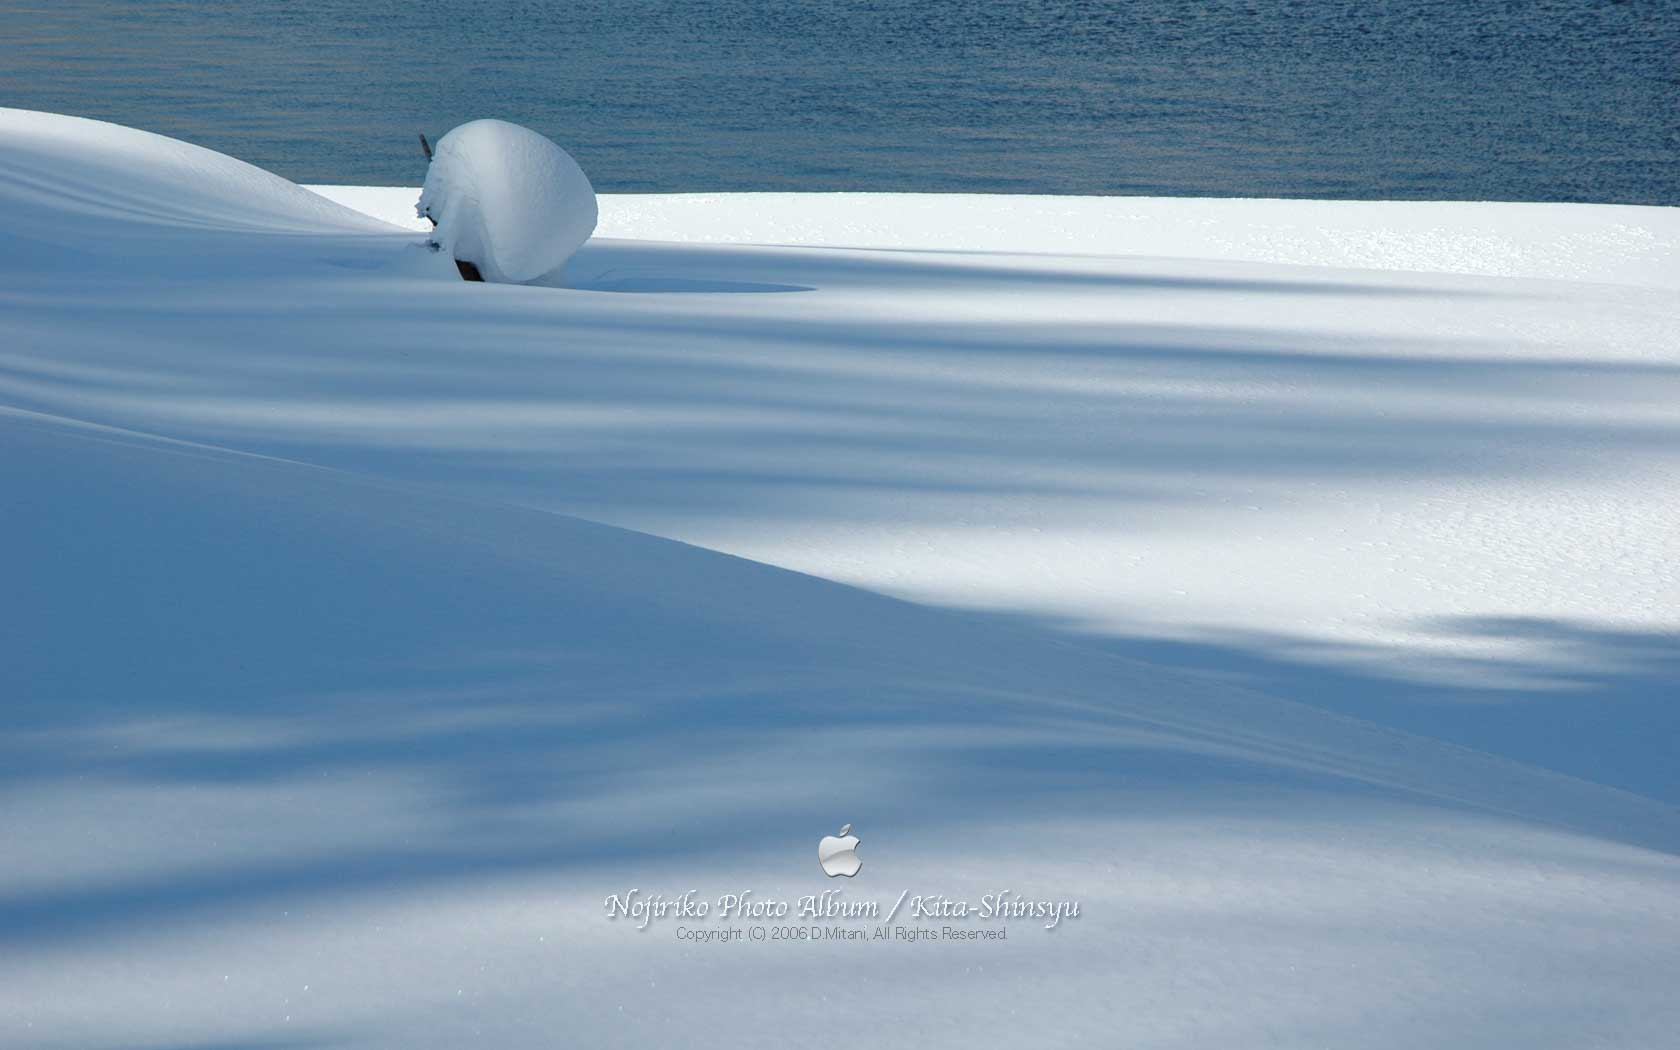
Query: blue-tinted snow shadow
<point>656,284</point>
<point>295,1042</point>
<point>514,662</point>
<point>613,259</point>
<point>1590,700</point>
<point>554,695</point>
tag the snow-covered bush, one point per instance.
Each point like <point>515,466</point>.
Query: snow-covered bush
<point>506,200</point>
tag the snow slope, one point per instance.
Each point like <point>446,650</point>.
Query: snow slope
<point>325,727</point>
<point>1441,502</point>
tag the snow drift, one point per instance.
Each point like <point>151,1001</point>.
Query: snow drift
<point>320,726</point>
<point>506,200</point>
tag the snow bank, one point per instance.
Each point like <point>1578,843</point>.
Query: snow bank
<point>86,201</point>
<point>506,200</point>
<point>1612,243</point>
<point>55,170</point>
<point>1631,244</point>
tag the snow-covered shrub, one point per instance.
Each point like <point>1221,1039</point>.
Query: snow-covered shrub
<point>506,200</point>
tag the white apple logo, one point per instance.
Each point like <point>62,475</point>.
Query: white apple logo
<point>838,856</point>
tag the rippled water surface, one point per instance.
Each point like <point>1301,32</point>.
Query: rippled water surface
<point>1504,101</point>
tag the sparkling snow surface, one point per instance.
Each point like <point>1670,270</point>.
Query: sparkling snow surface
<point>1298,593</point>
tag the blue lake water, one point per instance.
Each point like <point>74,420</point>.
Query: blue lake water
<point>1428,100</point>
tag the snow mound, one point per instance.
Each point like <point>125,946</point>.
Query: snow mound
<point>85,199</point>
<point>57,169</point>
<point>507,200</point>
